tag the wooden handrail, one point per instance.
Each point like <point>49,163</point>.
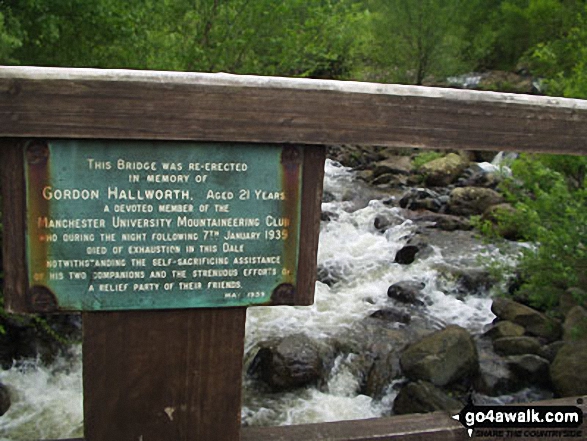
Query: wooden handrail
<point>123,104</point>
<point>435,426</point>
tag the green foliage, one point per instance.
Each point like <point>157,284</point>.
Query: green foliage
<point>8,42</point>
<point>563,61</point>
<point>422,158</point>
<point>413,40</point>
<point>292,37</point>
<point>550,198</point>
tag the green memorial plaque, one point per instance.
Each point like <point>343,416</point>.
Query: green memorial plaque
<point>117,225</point>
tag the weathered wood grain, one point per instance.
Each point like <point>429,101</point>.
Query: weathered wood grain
<point>89,103</point>
<point>312,184</point>
<point>163,375</point>
<point>437,426</point>
<point>13,225</point>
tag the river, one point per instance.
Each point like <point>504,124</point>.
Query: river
<point>47,400</point>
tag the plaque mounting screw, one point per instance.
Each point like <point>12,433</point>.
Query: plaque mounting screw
<point>41,299</point>
<point>37,152</point>
<point>290,155</point>
<point>283,294</point>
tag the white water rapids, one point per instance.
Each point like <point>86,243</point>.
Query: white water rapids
<point>47,401</point>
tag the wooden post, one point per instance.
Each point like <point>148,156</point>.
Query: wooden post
<point>163,375</point>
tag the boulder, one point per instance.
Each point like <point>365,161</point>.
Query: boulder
<point>443,171</point>
<point>406,292</point>
<point>441,221</point>
<point>504,328</point>
<point>469,201</point>
<point>443,357</point>
<point>393,165</point>
<point>365,175</point>
<point>382,372</point>
<point>421,397</point>
<point>383,221</point>
<point>478,176</point>
<point>571,298</point>
<point>567,371</point>
<point>389,180</point>
<point>465,280</point>
<point>549,351</point>
<point>534,322</point>
<point>292,362</point>
<point>416,247</point>
<point>5,401</point>
<point>575,325</point>
<point>421,199</point>
<point>530,369</point>
<point>494,377</point>
<point>517,345</point>
<point>392,315</point>
<point>507,230</point>
<point>406,255</point>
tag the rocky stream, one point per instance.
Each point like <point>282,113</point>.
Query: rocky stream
<point>407,318</point>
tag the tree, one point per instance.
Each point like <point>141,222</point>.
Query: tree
<point>8,42</point>
<point>414,39</point>
<point>549,194</point>
<point>562,61</point>
<point>290,37</point>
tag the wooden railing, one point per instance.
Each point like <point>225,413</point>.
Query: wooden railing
<point>108,104</point>
<point>435,426</point>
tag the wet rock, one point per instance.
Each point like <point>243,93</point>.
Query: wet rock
<point>494,377</point>
<point>549,351</point>
<point>353,155</point>
<point>5,401</point>
<point>421,199</point>
<point>534,322</point>
<point>443,358</point>
<point>292,362</point>
<point>478,176</point>
<point>392,315</point>
<point>383,221</point>
<point>507,230</point>
<point>327,216</point>
<point>384,369</point>
<point>472,280</point>
<point>504,329</point>
<point>365,175</point>
<point>390,180</point>
<point>465,280</point>
<point>328,197</point>
<point>443,171</point>
<point>530,369</point>
<point>446,222</point>
<point>416,247</point>
<point>468,201</point>
<point>575,325</point>
<point>406,255</point>
<point>407,292</point>
<point>393,165</point>
<point>567,371</point>
<point>421,397</point>
<point>328,275</point>
<point>517,345</point>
